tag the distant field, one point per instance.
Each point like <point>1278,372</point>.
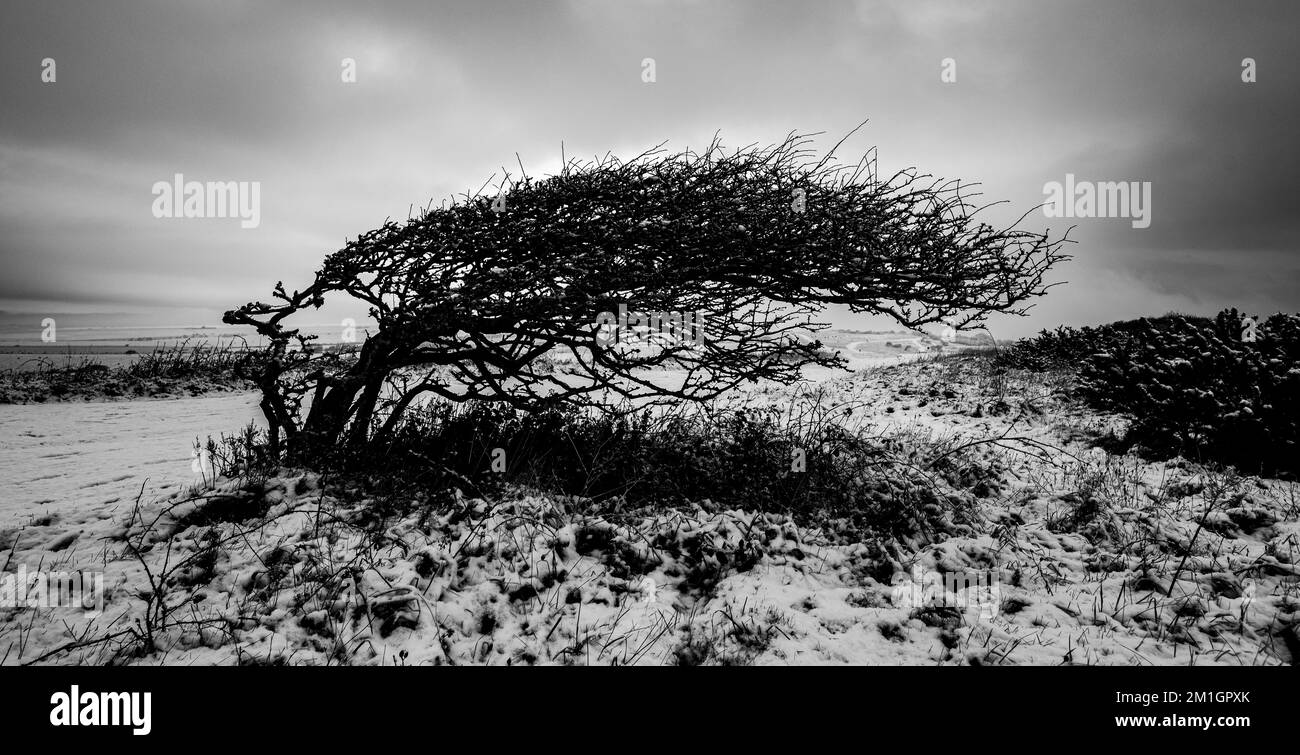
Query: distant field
<point>29,357</point>
<point>856,346</point>
<point>32,361</point>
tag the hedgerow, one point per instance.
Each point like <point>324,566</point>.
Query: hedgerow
<point>1214,390</point>
<point>1202,390</point>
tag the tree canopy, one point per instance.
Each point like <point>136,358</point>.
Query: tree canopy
<point>471,297</point>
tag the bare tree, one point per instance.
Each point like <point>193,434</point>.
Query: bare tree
<point>469,297</point>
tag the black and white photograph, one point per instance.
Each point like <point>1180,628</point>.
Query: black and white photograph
<point>656,333</point>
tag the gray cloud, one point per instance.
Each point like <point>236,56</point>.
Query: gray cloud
<point>448,93</point>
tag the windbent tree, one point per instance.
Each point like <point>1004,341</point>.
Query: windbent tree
<point>470,298</point>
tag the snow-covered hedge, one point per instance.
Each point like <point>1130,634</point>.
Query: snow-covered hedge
<point>1222,390</point>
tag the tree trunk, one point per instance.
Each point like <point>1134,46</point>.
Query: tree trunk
<point>328,417</point>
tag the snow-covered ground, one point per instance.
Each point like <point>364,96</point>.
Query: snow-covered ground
<point>1093,558</point>
<point>89,460</point>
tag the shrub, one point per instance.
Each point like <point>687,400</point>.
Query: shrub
<point>1192,385</point>
<point>722,459</point>
<point>1195,387</point>
<point>179,368</point>
<point>1066,348</point>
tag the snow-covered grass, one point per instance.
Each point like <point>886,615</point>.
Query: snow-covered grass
<point>1099,558</point>
<point>181,369</point>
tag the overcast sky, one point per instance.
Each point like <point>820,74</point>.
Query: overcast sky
<point>447,93</point>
